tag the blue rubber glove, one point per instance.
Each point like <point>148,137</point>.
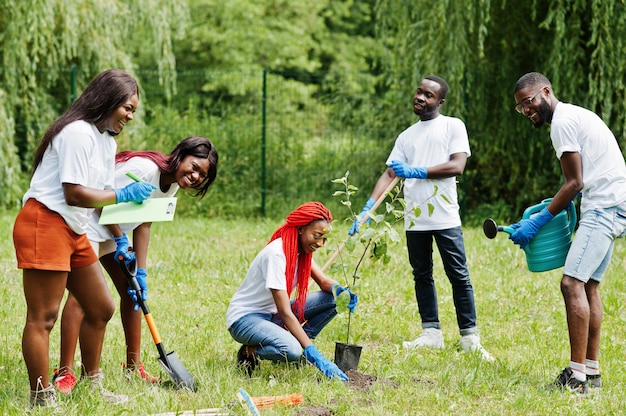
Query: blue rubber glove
<point>122,250</point>
<point>403,170</point>
<point>142,279</point>
<point>357,221</point>
<point>134,192</point>
<point>336,289</point>
<point>327,367</point>
<point>528,228</point>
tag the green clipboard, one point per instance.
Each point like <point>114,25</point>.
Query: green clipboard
<point>151,210</point>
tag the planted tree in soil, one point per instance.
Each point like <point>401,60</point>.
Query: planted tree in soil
<point>373,239</point>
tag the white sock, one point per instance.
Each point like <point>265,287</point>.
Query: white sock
<point>578,370</point>
<point>592,367</point>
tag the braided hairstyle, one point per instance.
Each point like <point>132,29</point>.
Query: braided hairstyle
<point>304,215</point>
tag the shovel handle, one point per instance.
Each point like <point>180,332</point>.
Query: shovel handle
<point>379,201</point>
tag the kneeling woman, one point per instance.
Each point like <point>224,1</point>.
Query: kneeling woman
<point>261,314</point>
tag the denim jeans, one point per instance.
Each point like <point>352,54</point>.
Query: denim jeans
<point>266,332</point>
<point>452,251</point>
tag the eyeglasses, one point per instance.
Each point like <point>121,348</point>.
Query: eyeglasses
<point>526,102</point>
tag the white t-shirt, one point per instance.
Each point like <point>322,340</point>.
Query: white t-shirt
<point>145,169</point>
<point>424,144</point>
<point>266,272</point>
<point>79,155</point>
<point>576,129</point>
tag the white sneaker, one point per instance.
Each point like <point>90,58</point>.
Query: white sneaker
<point>43,398</point>
<point>109,396</point>
<point>430,337</point>
<point>472,343</point>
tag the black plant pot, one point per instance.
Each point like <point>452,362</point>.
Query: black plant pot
<point>347,356</point>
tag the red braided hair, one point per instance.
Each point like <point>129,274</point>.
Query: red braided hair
<point>301,216</point>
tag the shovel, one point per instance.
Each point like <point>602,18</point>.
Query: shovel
<point>170,362</point>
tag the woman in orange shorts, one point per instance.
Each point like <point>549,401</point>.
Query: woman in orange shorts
<point>73,174</point>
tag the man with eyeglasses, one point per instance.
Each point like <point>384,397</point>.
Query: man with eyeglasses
<point>592,163</point>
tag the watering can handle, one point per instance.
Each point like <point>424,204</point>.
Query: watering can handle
<point>571,211</point>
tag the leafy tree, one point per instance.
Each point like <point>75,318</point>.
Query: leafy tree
<point>481,48</point>
<point>42,39</point>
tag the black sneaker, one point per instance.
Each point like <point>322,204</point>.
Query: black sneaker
<point>594,381</point>
<point>247,361</point>
<point>566,381</point>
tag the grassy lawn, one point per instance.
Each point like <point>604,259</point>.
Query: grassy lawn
<point>195,265</point>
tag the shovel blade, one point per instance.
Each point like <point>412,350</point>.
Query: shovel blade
<point>177,372</point>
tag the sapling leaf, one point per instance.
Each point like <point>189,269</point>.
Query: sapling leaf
<point>431,209</point>
<point>367,234</point>
<point>380,248</point>
<point>339,180</point>
<point>445,198</point>
<point>350,244</point>
<point>394,236</point>
<point>352,188</point>
<point>386,259</point>
<point>337,193</point>
<point>341,301</point>
<point>378,218</point>
<point>417,211</point>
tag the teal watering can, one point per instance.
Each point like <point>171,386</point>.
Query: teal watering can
<point>548,249</point>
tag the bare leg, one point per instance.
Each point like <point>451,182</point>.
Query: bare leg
<point>88,286</point>
<point>131,319</point>
<point>43,291</point>
<point>595,319</point>
<point>71,320</point>
<point>577,308</point>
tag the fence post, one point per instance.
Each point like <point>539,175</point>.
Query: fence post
<point>263,140</point>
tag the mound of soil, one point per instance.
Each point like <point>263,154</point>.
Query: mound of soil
<point>363,382</point>
<point>315,411</point>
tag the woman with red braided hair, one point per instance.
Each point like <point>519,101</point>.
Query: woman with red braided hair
<point>261,314</point>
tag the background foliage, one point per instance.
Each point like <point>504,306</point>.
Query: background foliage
<point>341,75</point>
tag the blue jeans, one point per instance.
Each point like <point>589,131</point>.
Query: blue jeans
<point>592,248</point>
<point>266,332</point>
<point>452,251</point>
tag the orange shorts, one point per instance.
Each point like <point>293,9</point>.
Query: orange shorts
<point>43,241</point>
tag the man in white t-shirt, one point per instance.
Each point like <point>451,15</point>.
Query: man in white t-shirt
<point>430,154</point>
<point>592,163</point>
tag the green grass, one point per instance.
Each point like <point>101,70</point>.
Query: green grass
<point>196,265</point>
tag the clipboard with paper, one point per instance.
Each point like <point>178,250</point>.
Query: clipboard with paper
<point>151,210</point>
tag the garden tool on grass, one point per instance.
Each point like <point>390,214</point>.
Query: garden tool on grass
<point>548,249</point>
<point>170,362</point>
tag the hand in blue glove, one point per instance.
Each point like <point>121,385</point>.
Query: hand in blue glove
<point>122,250</point>
<point>336,289</point>
<point>357,221</point>
<point>142,279</point>
<point>403,170</point>
<point>327,367</point>
<point>134,192</point>
<point>528,228</point>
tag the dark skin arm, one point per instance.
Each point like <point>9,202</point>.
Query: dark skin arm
<point>572,167</point>
<point>453,167</point>
<point>284,306</point>
<point>83,196</point>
